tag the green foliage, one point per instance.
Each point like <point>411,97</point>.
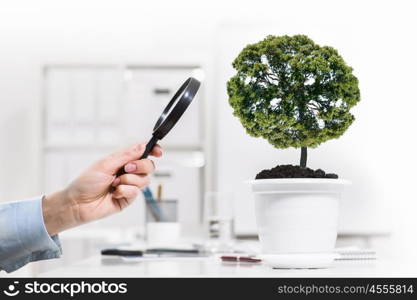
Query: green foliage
<point>292,92</point>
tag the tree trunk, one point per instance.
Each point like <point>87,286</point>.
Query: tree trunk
<point>303,159</point>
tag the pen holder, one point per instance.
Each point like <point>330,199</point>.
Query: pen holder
<point>163,229</point>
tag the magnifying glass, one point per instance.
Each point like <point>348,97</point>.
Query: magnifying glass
<point>171,114</point>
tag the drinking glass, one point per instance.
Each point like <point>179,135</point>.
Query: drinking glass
<point>218,221</point>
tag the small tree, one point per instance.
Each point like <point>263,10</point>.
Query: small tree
<point>293,92</point>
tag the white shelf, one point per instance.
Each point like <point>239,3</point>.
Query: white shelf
<point>92,110</point>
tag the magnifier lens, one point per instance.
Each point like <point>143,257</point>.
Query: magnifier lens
<point>168,110</point>
<point>176,107</point>
<point>171,114</point>
<point>171,107</point>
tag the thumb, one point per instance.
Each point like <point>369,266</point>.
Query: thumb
<point>113,162</point>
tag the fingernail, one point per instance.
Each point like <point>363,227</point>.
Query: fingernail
<point>116,181</point>
<point>130,167</point>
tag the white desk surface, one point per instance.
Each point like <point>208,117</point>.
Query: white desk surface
<point>212,267</point>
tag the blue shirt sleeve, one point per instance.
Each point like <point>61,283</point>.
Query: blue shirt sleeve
<point>23,236</point>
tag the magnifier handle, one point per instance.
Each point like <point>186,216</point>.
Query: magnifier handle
<point>149,146</point>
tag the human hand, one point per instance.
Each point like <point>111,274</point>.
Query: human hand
<point>97,192</point>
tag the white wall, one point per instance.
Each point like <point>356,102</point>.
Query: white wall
<point>380,143</point>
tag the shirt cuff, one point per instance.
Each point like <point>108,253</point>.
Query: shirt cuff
<point>32,239</point>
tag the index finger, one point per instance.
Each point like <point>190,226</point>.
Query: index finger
<point>156,151</point>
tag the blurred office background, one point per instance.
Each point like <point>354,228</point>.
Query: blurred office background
<point>79,79</point>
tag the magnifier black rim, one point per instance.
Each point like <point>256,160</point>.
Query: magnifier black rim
<point>165,123</point>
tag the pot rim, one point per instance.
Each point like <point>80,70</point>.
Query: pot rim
<point>286,181</point>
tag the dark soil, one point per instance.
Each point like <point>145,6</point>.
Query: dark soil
<point>290,171</point>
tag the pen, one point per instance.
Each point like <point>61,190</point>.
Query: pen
<point>120,252</point>
<point>152,204</point>
<point>157,251</point>
<point>240,259</point>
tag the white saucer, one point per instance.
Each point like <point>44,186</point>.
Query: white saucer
<point>299,260</point>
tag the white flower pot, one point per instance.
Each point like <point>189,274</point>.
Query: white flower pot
<point>297,215</point>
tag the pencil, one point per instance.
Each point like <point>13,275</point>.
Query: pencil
<point>159,192</point>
